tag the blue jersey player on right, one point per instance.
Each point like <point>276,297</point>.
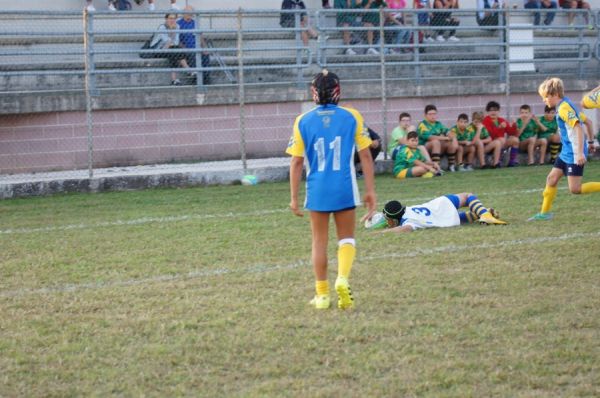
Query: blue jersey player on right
<point>327,137</point>
<point>574,150</point>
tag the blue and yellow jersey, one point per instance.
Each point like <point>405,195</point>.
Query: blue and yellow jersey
<point>405,158</point>
<point>592,100</point>
<point>567,118</point>
<point>326,137</point>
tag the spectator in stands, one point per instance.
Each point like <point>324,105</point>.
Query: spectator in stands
<point>288,20</point>
<point>434,135</point>
<point>487,16</point>
<point>371,20</point>
<point>488,144</point>
<point>528,126</point>
<point>396,19</point>
<point>152,7</point>
<point>423,19</point>
<point>325,4</point>
<point>468,142</point>
<point>188,40</point>
<point>500,130</point>
<point>398,136</point>
<point>374,148</point>
<point>89,6</point>
<point>573,5</point>
<point>344,19</point>
<point>445,18</point>
<point>542,4</point>
<point>164,39</point>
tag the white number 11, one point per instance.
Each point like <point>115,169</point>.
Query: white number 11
<point>336,145</point>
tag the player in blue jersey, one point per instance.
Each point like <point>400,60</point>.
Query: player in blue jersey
<point>441,212</point>
<point>574,150</point>
<point>326,137</point>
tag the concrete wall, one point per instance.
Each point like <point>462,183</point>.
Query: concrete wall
<point>58,140</point>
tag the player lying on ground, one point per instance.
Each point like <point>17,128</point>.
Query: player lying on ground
<point>440,212</point>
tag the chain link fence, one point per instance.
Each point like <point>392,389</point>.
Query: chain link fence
<point>104,89</point>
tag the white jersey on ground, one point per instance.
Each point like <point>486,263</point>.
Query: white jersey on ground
<point>437,213</point>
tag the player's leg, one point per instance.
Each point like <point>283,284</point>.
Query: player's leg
<point>435,149</point>
<point>451,148</point>
<point>543,145</point>
<point>512,143</point>
<point>459,156</point>
<point>528,146</point>
<point>319,222</point>
<point>554,147</point>
<point>418,171</point>
<point>480,153</point>
<point>471,156</point>
<point>549,193</point>
<point>478,211</point>
<point>345,221</point>
<point>574,178</point>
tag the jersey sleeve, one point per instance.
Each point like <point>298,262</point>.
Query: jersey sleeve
<point>592,100</point>
<point>361,134</point>
<point>296,144</point>
<point>568,115</point>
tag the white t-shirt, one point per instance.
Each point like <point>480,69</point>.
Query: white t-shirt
<point>439,212</point>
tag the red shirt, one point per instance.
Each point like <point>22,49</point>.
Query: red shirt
<point>494,127</point>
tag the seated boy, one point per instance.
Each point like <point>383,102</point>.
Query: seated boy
<point>410,162</point>
<point>467,143</point>
<point>433,135</point>
<point>487,143</point>
<point>527,126</point>
<point>398,137</point>
<point>551,133</point>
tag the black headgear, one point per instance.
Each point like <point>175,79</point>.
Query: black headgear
<point>326,88</point>
<point>394,210</point>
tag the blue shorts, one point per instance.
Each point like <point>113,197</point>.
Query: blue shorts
<point>454,199</point>
<point>568,169</point>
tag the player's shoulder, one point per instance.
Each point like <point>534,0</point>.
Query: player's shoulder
<point>354,112</point>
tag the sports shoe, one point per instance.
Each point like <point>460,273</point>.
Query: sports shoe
<point>541,217</point>
<point>176,82</point>
<point>489,219</point>
<point>494,212</point>
<point>350,51</point>
<point>452,168</point>
<point>429,174</point>
<point>372,51</point>
<point>462,168</point>
<point>512,164</point>
<point>453,38</point>
<point>469,168</point>
<point>440,38</point>
<point>111,7</point>
<point>428,39</point>
<point>345,300</point>
<point>320,302</point>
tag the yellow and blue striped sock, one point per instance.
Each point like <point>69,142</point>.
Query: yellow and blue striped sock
<point>475,206</point>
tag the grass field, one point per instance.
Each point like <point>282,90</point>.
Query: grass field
<point>204,292</point>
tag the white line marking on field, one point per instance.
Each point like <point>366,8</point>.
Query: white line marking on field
<point>188,217</point>
<point>262,268</point>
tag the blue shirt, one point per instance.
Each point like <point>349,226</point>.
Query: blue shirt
<point>187,39</point>
<point>327,137</point>
<point>567,117</point>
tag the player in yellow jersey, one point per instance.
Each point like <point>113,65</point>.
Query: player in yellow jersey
<point>327,137</point>
<point>591,99</point>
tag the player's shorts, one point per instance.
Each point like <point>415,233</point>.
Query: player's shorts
<point>568,169</point>
<point>404,173</point>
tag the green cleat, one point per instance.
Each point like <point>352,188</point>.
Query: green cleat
<point>345,300</point>
<point>320,302</point>
<point>541,217</point>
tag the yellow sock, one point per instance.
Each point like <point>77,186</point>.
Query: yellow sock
<point>549,195</point>
<point>322,287</point>
<point>590,187</point>
<point>346,253</point>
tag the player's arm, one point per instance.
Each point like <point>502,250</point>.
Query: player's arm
<point>589,127</point>
<point>539,124</point>
<point>370,199</point>
<point>399,230</point>
<point>579,156</point>
<point>296,165</point>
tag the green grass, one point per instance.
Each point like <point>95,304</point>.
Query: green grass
<point>204,292</point>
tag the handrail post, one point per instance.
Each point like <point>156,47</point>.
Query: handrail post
<point>383,82</point>
<point>241,92</point>
<point>89,86</point>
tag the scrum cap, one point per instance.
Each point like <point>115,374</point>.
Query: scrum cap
<point>325,88</point>
<point>394,210</point>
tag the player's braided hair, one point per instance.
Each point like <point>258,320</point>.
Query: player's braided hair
<point>325,88</point>
<point>394,210</point>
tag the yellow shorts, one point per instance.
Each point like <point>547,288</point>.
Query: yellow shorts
<point>402,174</point>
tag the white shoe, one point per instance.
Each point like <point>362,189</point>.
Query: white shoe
<point>452,168</point>
<point>428,39</point>
<point>440,38</point>
<point>350,51</point>
<point>151,7</point>
<point>111,7</point>
<point>90,8</point>
<point>372,51</point>
<point>175,7</point>
<point>453,38</point>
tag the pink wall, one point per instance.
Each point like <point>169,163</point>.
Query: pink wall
<point>58,141</point>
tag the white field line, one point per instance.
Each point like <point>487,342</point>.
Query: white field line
<point>263,268</point>
<point>188,217</point>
